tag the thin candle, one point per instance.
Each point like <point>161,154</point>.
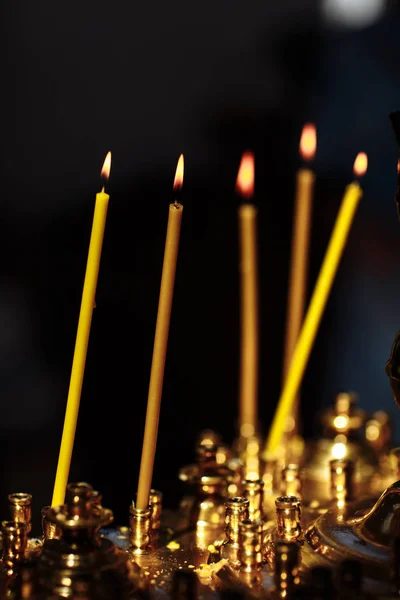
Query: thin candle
<point>299,256</point>
<point>160,345</point>
<point>82,339</point>
<point>248,386</point>
<point>351,198</point>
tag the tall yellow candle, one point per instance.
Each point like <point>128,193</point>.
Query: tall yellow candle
<point>160,346</point>
<point>299,256</point>
<point>82,340</point>
<point>248,386</point>
<point>319,298</point>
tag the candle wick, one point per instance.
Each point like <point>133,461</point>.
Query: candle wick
<point>176,204</point>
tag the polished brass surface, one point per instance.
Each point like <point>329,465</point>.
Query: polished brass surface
<point>237,511</point>
<point>364,531</point>
<point>50,530</point>
<point>290,481</point>
<point>344,417</point>
<point>15,539</point>
<point>156,509</point>
<point>342,476</point>
<point>378,431</point>
<point>288,518</point>
<point>250,555</point>
<point>210,482</point>
<point>139,529</point>
<point>253,490</point>
<point>248,449</point>
<point>235,543</point>
<point>20,505</point>
<point>81,562</point>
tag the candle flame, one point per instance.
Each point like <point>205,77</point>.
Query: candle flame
<point>178,181</point>
<point>360,164</point>
<point>308,141</point>
<point>398,165</point>
<point>245,178</point>
<point>105,171</point>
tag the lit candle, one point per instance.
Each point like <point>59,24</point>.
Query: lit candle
<point>82,339</point>
<point>248,387</point>
<point>315,310</point>
<point>299,259</point>
<point>160,345</point>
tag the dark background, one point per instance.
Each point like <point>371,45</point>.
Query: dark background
<point>149,81</point>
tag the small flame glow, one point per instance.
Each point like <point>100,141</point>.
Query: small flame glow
<point>398,166</point>
<point>308,141</point>
<point>360,164</point>
<point>178,181</point>
<point>105,171</point>
<point>245,178</point>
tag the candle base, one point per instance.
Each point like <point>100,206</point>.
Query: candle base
<point>139,530</point>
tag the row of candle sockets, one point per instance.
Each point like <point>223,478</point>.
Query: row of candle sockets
<point>250,540</point>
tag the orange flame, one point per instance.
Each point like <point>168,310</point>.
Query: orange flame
<point>360,164</point>
<point>105,171</point>
<point>245,178</point>
<point>308,141</point>
<point>398,166</point>
<point>178,181</point>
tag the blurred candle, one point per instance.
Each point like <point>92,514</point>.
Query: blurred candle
<point>299,258</point>
<point>248,387</point>
<point>82,339</point>
<point>160,345</point>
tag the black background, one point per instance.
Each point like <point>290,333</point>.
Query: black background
<point>149,81</point>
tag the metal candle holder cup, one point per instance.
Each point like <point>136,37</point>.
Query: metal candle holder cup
<point>20,505</point>
<point>139,529</point>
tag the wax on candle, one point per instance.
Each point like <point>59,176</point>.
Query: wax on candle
<point>160,345</point>
<point>314,314</point>
<point>248,387</point>
<point>299,257</point>
<point>82,340</point>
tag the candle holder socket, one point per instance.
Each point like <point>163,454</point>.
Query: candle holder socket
<point>139,529</point>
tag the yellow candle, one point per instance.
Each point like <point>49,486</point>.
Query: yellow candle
<point>299,258</point>
<point>248,386</point>
<point>160,346</point>
<point>82,340</point>
<point>319,298</point>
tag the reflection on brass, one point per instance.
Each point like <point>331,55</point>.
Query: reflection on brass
<point>237,511</point>
<point>286,574</point>
<point>249,546</point>
<point>290,481</point>
<point>253,490</point>
<point>269,476</point>
<point>344,438</point>
<point>139,529</point>
<point>20,505</point>
<point>288,513</point>
<point>81,563</point>
<point>249,452</point>
<point>378,431</point>
<point>15,538</point>
<point>210,482</point>
<point>342,474</point>
<point>50,530</point>
<point>156,509</point>
<point>364,531</point>
<point>78,498</point>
